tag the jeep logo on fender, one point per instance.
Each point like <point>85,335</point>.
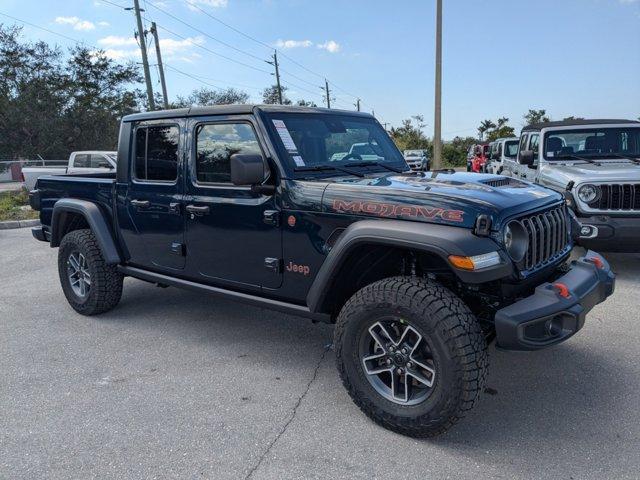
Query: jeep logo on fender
<point>295,268</point>
<point>391,210</point>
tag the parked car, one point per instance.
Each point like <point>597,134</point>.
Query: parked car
<point>358,151</point>
<point>470,155</point>
<point>418,160</point>
<point>79,162</point>
<point>480,158</point>
<point>502,149</point>
<point>596,165</point>
<point>417,272</point>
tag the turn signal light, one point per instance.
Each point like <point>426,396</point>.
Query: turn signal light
<point>476,262</point>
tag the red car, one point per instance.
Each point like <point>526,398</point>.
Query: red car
<point>480,158</point>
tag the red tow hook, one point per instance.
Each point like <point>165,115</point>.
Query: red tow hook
<point>563,290</point>
<point>597,261</point>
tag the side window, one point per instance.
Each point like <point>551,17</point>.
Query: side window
<point>534,143</point>
<point>98,161</point>
<point>81,161</point>
<point>157,153</point>
<point>215,143</point>
<point>500,151</point>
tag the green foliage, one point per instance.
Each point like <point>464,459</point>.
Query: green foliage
<point>52,104</point>
<point>536,116</point>
<point>454,153</point>
<point>500,130</point>
<point>410,136</point>
<point>206,96</point>
<point>270,95</point>
<point>11,203</point>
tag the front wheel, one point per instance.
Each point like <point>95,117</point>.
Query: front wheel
<point>90,285</point>
<point>411,355</point>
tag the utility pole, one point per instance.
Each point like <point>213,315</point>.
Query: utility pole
<point>326,89</point>
<point>437,124</point>
<point>275,64</point>
<point>357,104</point>
<point>145,60</point>
<point>165,97</point>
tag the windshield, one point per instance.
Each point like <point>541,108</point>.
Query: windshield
<point>413,153</point>
<point>326,140</point>
<point>592,142</point>
<point>511,148</point>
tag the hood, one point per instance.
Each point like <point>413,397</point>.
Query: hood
<point>450,198</point>
<point>606,171</point>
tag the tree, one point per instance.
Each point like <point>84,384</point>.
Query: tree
<point>206,96</point>
<point>410,136</point>
<point>270,95</point>
<point>572,118</point>
<point>484,127</point>
<point>501,130</point>
<point>52,103</point>
<point>454,152</point>
<point>305,103</point>
<point>536,116</point>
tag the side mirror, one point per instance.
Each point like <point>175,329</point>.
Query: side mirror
<point>247,169</point>
<point>527,157</point>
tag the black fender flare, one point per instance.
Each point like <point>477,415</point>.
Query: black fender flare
<point>441,240</point>
<point>96,220</point>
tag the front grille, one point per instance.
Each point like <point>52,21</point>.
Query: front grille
<point>624,196</point>
<point>548,237</point>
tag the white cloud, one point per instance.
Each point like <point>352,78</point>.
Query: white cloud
<point>104,24</point>
<point>330,46</point>
<point>629,1</point>
<point>207,3</point>
<point>76,23</point>
<point>126,48</point>
<point>115,41</point>
<point>294,43</point>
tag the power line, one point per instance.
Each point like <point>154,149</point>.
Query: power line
<point>44,29</point>
<point>205,33</point>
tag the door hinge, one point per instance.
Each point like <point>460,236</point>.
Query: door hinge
<point>273,264</point>
<point>271,217</point>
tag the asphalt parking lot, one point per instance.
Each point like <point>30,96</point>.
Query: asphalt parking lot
<point>172,384</point>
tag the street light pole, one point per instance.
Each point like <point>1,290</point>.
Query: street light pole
<point>437,123</point>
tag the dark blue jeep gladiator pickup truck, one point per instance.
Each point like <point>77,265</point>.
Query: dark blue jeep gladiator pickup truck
<point>270,206</point>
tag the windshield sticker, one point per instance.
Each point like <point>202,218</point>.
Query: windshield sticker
<point>299,161</point>
<point>285,136</point>
<point>551,154</point>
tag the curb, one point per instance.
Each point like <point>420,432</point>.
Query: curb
<point>18,224</point>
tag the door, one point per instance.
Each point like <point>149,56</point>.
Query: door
<point>530,173</point>
<point>154,232</point>
<point>233,235</point>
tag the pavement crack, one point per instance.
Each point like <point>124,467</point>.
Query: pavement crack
<point>292,416</point>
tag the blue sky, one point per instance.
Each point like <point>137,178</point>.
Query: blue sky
<point>500,57</point>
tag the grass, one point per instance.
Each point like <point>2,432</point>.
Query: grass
<point>15,206</point>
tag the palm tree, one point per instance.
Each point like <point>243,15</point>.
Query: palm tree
<point>484,127</point>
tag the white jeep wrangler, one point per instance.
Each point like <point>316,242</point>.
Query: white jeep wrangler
<point>596,164</point>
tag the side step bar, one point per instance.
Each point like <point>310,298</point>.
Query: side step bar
<point>247,298</point>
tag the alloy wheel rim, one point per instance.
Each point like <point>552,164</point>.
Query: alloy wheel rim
<point>78,274</point>
<point>398,361</point>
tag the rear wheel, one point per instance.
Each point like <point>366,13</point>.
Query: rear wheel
<point>411,355</point>
<point>89,284</point>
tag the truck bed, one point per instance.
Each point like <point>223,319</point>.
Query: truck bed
<point>96,187</point>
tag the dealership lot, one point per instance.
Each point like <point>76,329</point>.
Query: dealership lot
<point>175,384</point>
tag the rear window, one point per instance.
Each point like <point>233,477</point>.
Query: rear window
<point>156,157</point>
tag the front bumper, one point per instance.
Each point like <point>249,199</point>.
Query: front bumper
<point>614,234</point>
<point>555,311</point>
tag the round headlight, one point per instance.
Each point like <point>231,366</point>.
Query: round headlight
<point>516,240</point>
<point>588,193</point>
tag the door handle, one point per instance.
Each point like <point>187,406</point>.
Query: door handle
<point>140,203</point>
<point>198,209</point>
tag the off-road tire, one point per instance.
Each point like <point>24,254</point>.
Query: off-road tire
<point>106,282</point>
<point>454,335</point>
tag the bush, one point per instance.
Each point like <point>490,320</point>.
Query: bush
<point>12,206</point>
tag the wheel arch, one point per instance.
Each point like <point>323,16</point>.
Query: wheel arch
<point>368,250</point>
<point>73,214</point>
